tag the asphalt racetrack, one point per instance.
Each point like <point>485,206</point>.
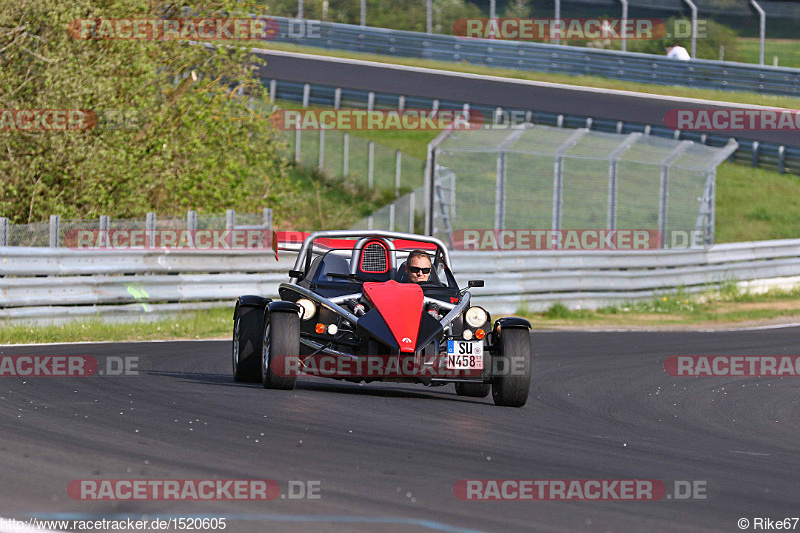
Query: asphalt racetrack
<point>387,456</point>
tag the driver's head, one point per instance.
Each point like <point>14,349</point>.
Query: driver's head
<point>418,267</point>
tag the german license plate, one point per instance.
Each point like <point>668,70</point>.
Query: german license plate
<point>464,355</point>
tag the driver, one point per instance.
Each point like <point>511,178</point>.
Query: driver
<point>418,267</point>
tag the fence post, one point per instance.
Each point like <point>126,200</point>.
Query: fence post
<point>391,216</point>
<point>273,89</point>
<point>3,231</point>
<point>370,221</point>
<point>297,146</point>
<point>411,208</point>
<point>398,163</point>
<point>191,220</point>
<point>150,229</point>
<point>306,94</point>
<point>321,148</point>
<point>346,155</point>
<point>371,173</point>
<point>230,219</point>
<point>500,192</point>
<point>267,215</point>
<point>55,222</point>
<point>781,159</point>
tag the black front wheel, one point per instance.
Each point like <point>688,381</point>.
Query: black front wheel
<point>247,338</point>
<point>512,381</point>
<point>280,351</point>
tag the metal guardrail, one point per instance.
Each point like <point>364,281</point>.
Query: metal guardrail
<point>59,284</point>
<point>626,66</point>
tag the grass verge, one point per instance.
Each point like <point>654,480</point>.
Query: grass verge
<point>725,305</point>
<point>205,324</point>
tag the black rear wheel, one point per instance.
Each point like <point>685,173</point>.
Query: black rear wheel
<point>280,350</point>
<point>247,338</point>
<point>513,380</point>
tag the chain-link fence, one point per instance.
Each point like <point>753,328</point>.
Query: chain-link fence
<point>361,163</point>
<point>560,179</point>
<point>59,232</point>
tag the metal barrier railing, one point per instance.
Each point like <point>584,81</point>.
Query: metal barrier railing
<point>57,283</point>
<point>626,66</point>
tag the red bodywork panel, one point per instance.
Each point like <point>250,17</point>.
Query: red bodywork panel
<point>400,306</point>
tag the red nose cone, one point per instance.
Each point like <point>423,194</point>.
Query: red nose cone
<point>400,306</point>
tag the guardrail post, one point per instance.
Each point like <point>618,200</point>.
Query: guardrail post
<point>300,9</point>
<point>370,101</point>
<point>191,220</point>
<point>150,229</point>
<point>337,98</point>
<point>755,154</point>
<point>560,121</point>
<point>391,216</point>
<point>273,89</point>
<point>398,165</point>
<point>306,94</point>
<point>364,15</point>
<point>230,219</point>
<point>371,167</point>
<point>346,155</point>
<point>619,126</point>
<point>435,106</point>
<point>55,222</point>
<point>370,221</point>
<point>498,115</point>
<point>401,103</point>
<point>4,227</point>
<point>781,159</point>
<point>321,148</point>
<point>297,140</point>
<point>105,229</point>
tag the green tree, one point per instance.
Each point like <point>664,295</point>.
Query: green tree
<point>193,141</point>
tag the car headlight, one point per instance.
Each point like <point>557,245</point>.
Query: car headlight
<point>476,317</point>
<point>309,308</point>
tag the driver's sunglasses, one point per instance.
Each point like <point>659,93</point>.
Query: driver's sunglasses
<point>417,270</point>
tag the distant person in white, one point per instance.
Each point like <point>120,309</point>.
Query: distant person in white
<point>678,52</point>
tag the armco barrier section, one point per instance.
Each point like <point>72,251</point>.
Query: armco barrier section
<point>59,284</point>
<point>626,66</point>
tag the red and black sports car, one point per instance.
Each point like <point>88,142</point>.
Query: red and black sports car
<point>354,310</point>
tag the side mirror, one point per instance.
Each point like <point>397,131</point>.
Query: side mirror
<point>296,274</point>
<point>475,283</point>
